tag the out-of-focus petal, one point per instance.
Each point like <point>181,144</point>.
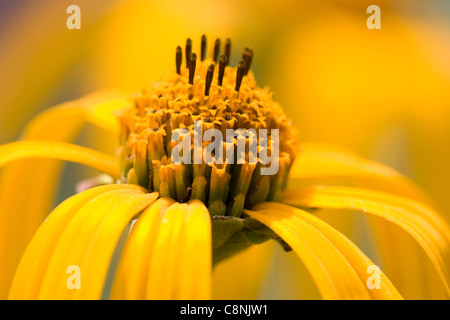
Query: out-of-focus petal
<point>333,274</point>
<point>28,277</point>
<point>89,241</point>
<point>327,164</point>
<point>420,221</point>
<point>104,115</point>
<point>36,180</point>
<point>241,276</point>
<point>352,253</point>
<point>58,150</point>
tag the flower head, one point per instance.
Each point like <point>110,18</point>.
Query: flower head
<point>157,231</point>
<point>201,96</point>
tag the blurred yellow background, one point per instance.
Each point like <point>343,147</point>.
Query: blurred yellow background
<point>384,93</point>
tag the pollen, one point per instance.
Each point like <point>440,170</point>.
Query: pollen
<point>208,93</point>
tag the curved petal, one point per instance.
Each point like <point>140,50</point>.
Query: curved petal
<point>325,164</point>
<point>131,277</point>
<point>104,115</point>
<point>96,264</point>
<point>163,267</point>
<point>28,277</point>
<point>88,242</point>
<point>58,150</point>
<point>55,119</point>
<point>36,180</point>
<point>196,254</point>
<point>421,222</point>
<point>181,260</point>
<point>333,274</point>
<point>351,252</point>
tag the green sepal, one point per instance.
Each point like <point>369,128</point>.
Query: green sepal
<point>231,235</point>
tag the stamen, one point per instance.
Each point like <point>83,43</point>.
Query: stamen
<point>203,48</point>
<point>209,77</point>
<point>192,64</point>
<point>247,56</point>
<point>216,50</point>
<point>227,50</point>
<point>178,59</point>
<point>188,51</point>
<point>240,74</point>
<point>222,64</point>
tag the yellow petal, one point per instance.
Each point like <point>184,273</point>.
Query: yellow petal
<point>96,263</point>
<point>196,254</point>
<point>403,259</point>
<point>163,270</point>
<point>104,115</point>
<point>28,277</point>
<point>52,123</point>
<point>357,259</point>
<point>325,164</point>
<point>180,263</point>
<point>36,180</point>
<point>131,277</point>
<point>421,222</point>
<point>58,150</point>
<point>88,242</point>
<point>333,274</point>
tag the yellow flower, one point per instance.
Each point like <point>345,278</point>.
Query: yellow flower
<point>157,232</point>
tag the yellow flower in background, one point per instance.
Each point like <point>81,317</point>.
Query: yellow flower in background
<point>382,93</point>
<point>158,230</point>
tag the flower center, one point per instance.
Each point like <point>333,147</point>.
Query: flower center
<point>208,132</point>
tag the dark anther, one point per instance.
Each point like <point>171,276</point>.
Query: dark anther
<point>240,74</point>
<point>227,50</point>
<point>192,65</point>
<point>178,59</point>
<point>216,50</point>
<point>227,117</point>
<point>190,96</point>
<point>160,95</point>
<point>188,51</point>
<point>222,64</point>
<point>203,48</point>
<point>208,80</point>
<point>208,119</point>
<point>214,107</point>
<point>247,56</point>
